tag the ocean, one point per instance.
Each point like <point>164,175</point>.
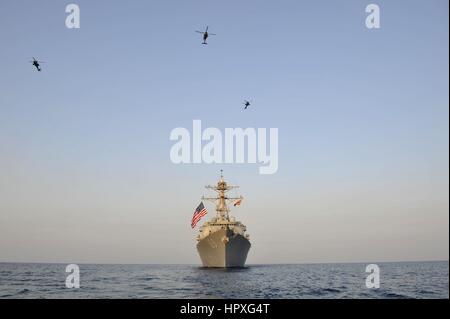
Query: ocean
<point>397,280</point>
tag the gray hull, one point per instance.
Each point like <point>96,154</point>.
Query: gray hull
<point>223,248</point>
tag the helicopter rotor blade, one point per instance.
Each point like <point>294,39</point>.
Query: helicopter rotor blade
<point>207,28</point>
<point>200,32</point>
<point>212,34</point>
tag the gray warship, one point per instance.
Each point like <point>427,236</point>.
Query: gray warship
<point>222,241</point>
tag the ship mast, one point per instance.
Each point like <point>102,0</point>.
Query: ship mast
<point>221,200</point>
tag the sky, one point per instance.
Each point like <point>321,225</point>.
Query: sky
<point>362,116</point>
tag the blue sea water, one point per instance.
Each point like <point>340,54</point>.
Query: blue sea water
<point>397,280</point>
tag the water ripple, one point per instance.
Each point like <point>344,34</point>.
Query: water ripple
<point>399,280</point>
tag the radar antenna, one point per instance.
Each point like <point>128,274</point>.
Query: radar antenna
<point>221,200</point>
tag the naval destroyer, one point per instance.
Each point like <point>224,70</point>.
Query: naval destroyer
<point>222,241</point>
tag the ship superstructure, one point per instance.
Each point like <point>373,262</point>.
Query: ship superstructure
<point>222,241</point>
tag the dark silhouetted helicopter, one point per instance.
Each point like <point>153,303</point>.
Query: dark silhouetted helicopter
<point>205,34</point>
<point>247,104</point>
<point>36,64</point>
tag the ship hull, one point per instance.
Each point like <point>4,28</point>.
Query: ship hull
<point>223,249</point>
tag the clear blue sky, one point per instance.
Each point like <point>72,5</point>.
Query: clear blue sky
<point>362,114</point>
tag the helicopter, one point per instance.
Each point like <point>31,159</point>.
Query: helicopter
<point>247,104</point>
<point>36,64</point>
<point>205,34</point>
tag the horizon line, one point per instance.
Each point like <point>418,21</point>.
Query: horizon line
<point>199,265</point>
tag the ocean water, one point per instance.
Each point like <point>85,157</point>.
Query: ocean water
<point>397,280</point>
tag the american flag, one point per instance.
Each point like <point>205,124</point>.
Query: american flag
<point>200,211</point>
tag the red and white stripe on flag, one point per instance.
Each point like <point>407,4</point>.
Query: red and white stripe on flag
<point>200,211</point>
